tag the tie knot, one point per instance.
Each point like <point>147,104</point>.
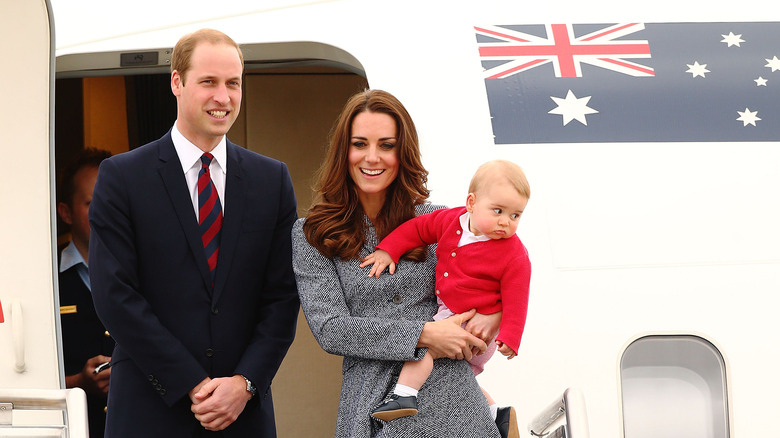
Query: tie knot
<point>206,159</point>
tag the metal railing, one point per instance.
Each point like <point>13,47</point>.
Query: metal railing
<point>72,403</point>
<point>568,409</point>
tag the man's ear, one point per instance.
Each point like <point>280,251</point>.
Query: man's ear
<point>63,210</point>
<point>176,83</point>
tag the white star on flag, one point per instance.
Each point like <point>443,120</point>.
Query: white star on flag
<point>760,82</point>
<point>773,63</point>
<point>732,40</point>
<point>572,108</point>
<point>747,117</point>
<point>698,69</point>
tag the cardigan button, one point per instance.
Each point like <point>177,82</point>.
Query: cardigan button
<point>446,274</point>
<point>397,299</point>
<point>453,253</point>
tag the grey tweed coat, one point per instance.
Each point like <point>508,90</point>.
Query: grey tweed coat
<point>375,324</point>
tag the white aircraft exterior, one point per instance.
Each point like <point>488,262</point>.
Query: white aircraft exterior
<point>656,264</point>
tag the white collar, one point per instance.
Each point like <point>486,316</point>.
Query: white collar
<point>70,257</point>
<point>467,236</point>
<point>189,154</point>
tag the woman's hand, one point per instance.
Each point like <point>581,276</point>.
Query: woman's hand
<point>446,338</point>
<point>484,327</point>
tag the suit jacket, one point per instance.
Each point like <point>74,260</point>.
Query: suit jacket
<point>152,288</point>
<point>83,337</point>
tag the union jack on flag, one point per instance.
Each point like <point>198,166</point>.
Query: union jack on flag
<point>522,51</point>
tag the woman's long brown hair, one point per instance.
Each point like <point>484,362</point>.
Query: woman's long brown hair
<point>335,222</point>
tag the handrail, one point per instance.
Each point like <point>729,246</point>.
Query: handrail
<point>72,401</point>
<point>571,405</point>
<point>17,328</point>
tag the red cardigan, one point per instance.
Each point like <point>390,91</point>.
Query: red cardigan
<point>488,276</point>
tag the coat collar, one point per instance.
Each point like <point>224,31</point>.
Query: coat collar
<point>170,171</point>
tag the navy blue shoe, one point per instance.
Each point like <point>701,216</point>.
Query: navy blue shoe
<point>395,406</point>
<point>506,420</point>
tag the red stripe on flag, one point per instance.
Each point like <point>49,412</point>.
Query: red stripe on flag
<point>639,68</point>
<point>518,68</point>
<point>501,35</point>
<point>599,35</point>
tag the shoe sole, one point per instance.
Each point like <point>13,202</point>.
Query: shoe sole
<point>513,432</point>
<point>398,413</point>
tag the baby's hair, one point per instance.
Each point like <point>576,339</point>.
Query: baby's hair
<point>495,170</point>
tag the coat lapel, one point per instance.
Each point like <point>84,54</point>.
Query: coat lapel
<point>176,186</point>
<point>235,200</point>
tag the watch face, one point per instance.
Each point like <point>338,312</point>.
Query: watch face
<point>249,386</point>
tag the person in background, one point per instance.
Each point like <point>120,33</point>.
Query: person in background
<point>191,264</point>
<point>482,265</point>
<point>86,345</point>
<point>371,181</point>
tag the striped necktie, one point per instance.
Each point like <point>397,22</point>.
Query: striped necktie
<point>209,214</point>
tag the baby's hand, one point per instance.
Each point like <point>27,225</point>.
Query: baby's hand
<point>380,259</point>
<point>505,350</point>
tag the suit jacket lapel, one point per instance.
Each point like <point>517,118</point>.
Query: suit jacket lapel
<point>235,200</point>
<point>176,186</point>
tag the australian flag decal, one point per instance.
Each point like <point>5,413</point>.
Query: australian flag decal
<point>632,82</point>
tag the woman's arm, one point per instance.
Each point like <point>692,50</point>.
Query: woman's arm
<point>338,328</point>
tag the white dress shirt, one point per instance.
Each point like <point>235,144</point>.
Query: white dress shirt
<point>72,257</point>
<point>467,236</point>
<point>189,155</point>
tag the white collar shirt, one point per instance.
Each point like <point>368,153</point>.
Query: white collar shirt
<point>189,156</point>
<point>71,257</point>
<point>467,236</point>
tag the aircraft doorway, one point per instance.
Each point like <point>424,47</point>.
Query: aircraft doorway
<point>288,109</point>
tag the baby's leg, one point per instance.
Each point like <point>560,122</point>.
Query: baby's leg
<point>505,418</point>
<point>490,400</point>
<point>415,372</point>
<point>403,401</point>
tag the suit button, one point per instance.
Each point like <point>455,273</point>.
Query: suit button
<point>158,387</point>
<point>155,381</point>
<point>214,311</point>
<point>107,334</point>
<point>105,409</point>
<point>163,392</point>
<point>397,299</point>
<point>209,352</point>
<point>150,377</point>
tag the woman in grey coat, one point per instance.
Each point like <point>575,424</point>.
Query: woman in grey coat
<point>371,181</point>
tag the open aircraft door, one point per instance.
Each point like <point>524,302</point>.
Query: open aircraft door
<point>29,325</point>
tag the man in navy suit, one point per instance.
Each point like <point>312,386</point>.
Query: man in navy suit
<point>197,343</point>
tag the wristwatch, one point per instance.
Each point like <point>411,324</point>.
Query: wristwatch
<point>250,387</point>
